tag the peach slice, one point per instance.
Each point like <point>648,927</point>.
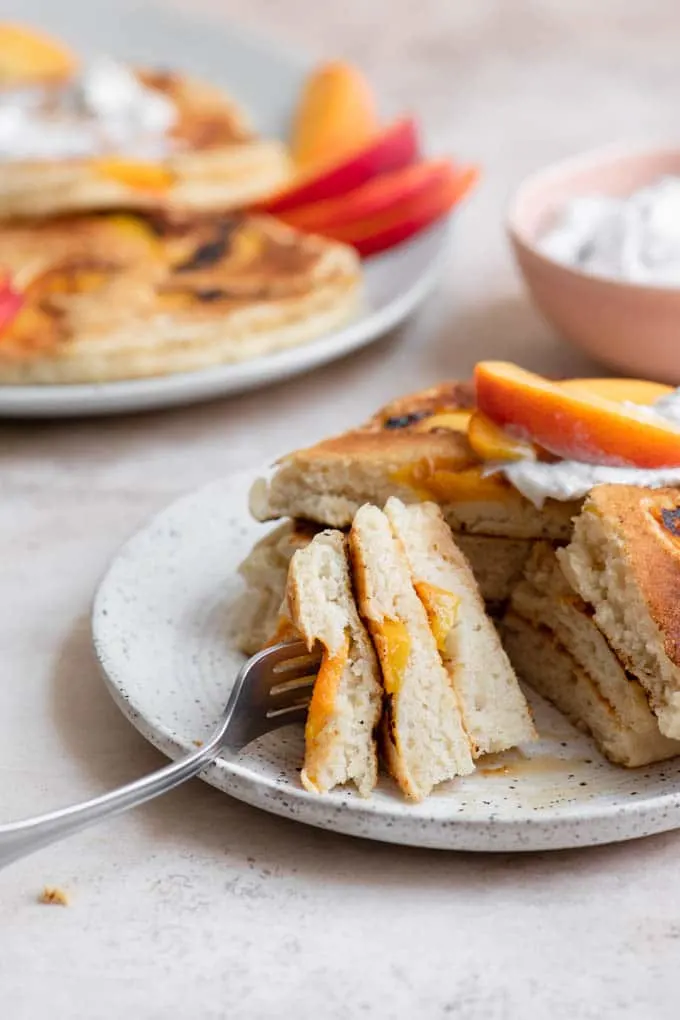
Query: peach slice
<point>11,303</point>
<point>394,148</point>
<point>135,174</point>
<point>30,56</point>
<point>336,115</point>
<point>633,391</point>
<point>576,426</point>
<point>490,442</point>
<point>374,198</point>
<point>407,216</point>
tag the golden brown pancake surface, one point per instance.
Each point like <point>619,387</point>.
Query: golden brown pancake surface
<point>109,285</point>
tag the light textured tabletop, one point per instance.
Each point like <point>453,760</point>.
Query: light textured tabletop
<point>196,905</point>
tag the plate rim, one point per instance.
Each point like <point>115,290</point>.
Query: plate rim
<point>661,810</point>
<point>128,395</point>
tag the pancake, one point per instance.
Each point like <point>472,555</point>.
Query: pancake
<point>494,710</point>
<point>624,561</point>
<point>265,573</point>
<point>497,565</point>
<point>111,296</point>
<point>346,705</point>
<point>211,159</point>
<point>557,647</point>
<point>423,736</point>
<point>409,450</point>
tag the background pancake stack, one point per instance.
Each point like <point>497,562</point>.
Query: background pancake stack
<point>126,245</point>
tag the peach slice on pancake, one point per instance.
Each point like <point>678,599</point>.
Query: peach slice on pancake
<point>631,391</point>
<point>574,425</point>
<point>27,56</point>
<point>491,442</point>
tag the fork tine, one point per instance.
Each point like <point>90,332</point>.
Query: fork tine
<point>293,696</point>
<point>281,653</point>
<point>272,690</point>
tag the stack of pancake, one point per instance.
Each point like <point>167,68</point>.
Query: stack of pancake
<point>119,265</point>
<point>586,595</point>
<point>407,651</point>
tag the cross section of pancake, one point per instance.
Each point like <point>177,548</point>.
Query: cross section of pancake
<point>624,561</point>
<point>556,646</point>
<point>346,703</point>
<point>214,161</point>
<point>125,296</point>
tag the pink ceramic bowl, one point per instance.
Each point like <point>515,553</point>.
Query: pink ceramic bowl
<point>628,326</point>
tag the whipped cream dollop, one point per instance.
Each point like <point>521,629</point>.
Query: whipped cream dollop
<point>105,109</point>
<point>567,480</point>
<point>634,238</point>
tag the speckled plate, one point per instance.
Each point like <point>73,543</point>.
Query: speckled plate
<point>161,624</point>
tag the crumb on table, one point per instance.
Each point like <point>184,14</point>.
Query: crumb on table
<point>54,896</point>
<point>198,743</point>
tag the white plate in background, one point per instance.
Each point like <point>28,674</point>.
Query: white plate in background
<point>266,79</point>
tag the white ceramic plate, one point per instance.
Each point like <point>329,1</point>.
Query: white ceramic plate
<point>267,80</point>
<point>161,626</point>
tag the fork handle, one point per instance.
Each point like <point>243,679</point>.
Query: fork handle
<point>18,839</point>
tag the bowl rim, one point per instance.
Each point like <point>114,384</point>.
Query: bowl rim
<point>617,151</point>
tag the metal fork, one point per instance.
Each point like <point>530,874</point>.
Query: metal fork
<point>270,691</point>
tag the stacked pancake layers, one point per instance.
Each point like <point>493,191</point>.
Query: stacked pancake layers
<point>411,664</point>
<point>140,257</point>
<point>585,594</point>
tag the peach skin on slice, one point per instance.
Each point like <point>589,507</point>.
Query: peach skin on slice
<point>336,115</point>
<point>27,55</point>
<point>491,442</point>
<point>11,303</point>
<point>374,198</point>
<point>575,426</point>
<point>633,391</point>
<point>406,216</point>
<point>395,147</point>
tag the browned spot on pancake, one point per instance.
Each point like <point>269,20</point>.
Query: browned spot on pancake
<point>212,250</point>
<point>402,421</point>
<point>670,519</point>
<point>223,269</point>
<point>205,119</point>
<point>208,131</point>
<point>404,412</point>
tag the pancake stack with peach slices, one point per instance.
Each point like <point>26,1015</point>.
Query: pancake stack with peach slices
<point>151,231</point>
<point>510,459</point>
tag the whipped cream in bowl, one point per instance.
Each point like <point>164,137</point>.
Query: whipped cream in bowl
<point>634,237</point>
<point>105,109</point>
<point>597,240</point>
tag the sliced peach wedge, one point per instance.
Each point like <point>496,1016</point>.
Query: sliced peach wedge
<point>393,148</point>
<point>441,187</point>
<point>335,116</point>
<point>574,425</point>
<point>11,302</point>
<point>491,442</point>
<point>134,173</point>
<point>27,55</point>
<point>374,198</point>
<point>631,391</point>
